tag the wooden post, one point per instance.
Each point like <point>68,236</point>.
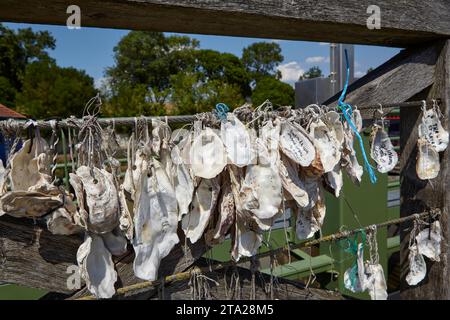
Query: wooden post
<point>418,195</point>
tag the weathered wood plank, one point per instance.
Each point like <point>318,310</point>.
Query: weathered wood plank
<point>397,80</point>
<point>403,23</point>
<point>32,256</point>
<point>418,195</point>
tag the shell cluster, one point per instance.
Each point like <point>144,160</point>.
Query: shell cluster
<point>221,178</point>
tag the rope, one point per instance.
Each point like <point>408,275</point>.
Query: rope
<point>330,238</point>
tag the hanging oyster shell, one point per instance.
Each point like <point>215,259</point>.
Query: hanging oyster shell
<point>155,222</point>
<point>99,195</point>
<point>246,242</point>
<point>326,144</point>
<point>296,144</point>
<point>62,220</point>
<point>291,181</point>
<point>333,121</point>
<point>184,184</point>
<point>429,242</point>
<point>270,137</point>
<point>375,283</point>
<point>237,141</point>
<point>125,219</point>
<point>335,180</point>
<point>207,154</point>
<point>29,204</point>
<point>382,151</point>
<point>97,267</point>
<point>417,266</point>
<point>428,165</point>
<point>357,119</point>
<point>431,129</point>
<point>265,184</point>
<point>205,199</point>
<point>310,220</point>
<point>115,242</point>
<point>30,166</point>
<point>226,216</point>
<point>349,160</point>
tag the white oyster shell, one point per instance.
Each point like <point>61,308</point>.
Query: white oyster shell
<point>375,283</point>
<point>291,181</point>
<point>237,141</point>
<point>29,204</point>
<point>417,267</point>
<point>155,221</point>
<point>326,143</point>
<point>101,197</point>
<point>431,129</point>
<point>429,242</point>
<point>382,151</point>
<point>310,220</point>
<point>97,267</point>
<point>428,165</point>
<point>335,180</point>
<point>296,144</point>
<point>207,154</point>
<point>204,202</point>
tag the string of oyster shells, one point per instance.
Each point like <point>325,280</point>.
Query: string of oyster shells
<point>220,178</point>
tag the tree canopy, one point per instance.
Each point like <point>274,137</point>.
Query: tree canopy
<point>279,93</point>
<point>261,59</point>
<point>313,72</point>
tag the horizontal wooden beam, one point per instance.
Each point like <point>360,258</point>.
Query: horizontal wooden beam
<point>403,23</point>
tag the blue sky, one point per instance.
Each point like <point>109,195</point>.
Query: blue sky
<point>91,49</point>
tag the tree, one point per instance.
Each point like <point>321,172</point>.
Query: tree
<point>49,90</point>
<point>277,92</point>
<point>17,50</point>
<point>370,70</point>
<point>313,72</point>
<point>261,59</point>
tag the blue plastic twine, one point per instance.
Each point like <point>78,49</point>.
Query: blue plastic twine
<point>221,111</point>
<point>348,111</point>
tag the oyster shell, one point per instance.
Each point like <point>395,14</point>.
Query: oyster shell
<point>246,242</point>
<point>29,204</point>
<point>297,144</point>
<point>382,151</point>
<point>30,166</point>
<point>417,267</point>
<point>428,165</point>
<point>155,221</point>
<point>375,283</point>
<point>99,194</point>
<point>115,242</point>
<point>310,220</point>
<point>203,204</point>
<point>62,220</point>
<point>207,154</point>
<point>125,219</point>
<point>3,178</point>
<point>237,141</point>
<point>431,129</point>
<point>349,160</point>
<point>97,267</point>
<point>291,181</point>
<point>270,137</point>
<point>326,144</point>
<point>335,180</point>
<point>429,242</point>
<point>184,186</point>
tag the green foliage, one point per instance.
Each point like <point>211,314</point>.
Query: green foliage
<point>261,59</point>
<point>279,93</point>
<point>18,49</point>
<point>49,90</point>
<point>7,92</point>
<point>313,72</point>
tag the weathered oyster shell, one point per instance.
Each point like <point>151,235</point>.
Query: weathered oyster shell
<point>375,283</point>
<point>62,220</point>
<point>310,220</point>
<point>428,165</point>
<point>291,181</point>
<point>207,154</point>
<point>246,242</point>
<point>326,144</point>
<point>417,267</point>
<point>382,151</point>
<point>155,221</point>
<point>429,242</point>
<point>296,144</point>
<point>431,129</point>
<point>349,160</point>
<point>3,178</point>
<point>115,242</point>
<point>203,204</point>
<point>29,204</point>
<point>99,194</point>
<point>97,267</point>
<point>270,137</point>
<point>30,166</point>
<point>184,186</point>
<point>237,141</point>
<point>335,180</point>
<point>126,218</point>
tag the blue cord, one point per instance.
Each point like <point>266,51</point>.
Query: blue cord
<point>221,111</point>
<point>348,111</point>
